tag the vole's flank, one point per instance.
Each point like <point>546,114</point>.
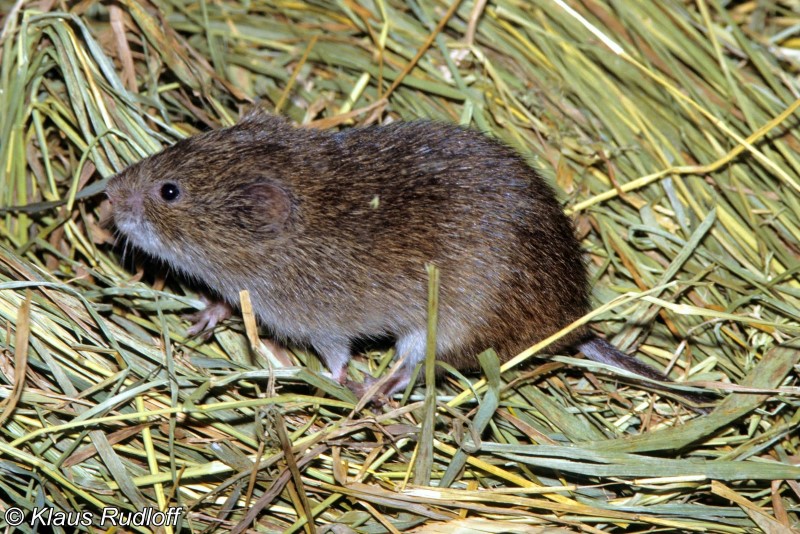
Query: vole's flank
<point>330,233</point>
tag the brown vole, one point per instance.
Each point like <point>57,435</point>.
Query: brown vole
<point>330,233</point>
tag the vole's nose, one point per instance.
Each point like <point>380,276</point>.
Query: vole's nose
<point>112,191</point>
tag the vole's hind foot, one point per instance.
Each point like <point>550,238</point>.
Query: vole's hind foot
<point>380,396</point>
<point>362,389</point>
<point>204,321</point>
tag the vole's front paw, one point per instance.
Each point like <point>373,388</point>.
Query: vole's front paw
<point>204,321</point>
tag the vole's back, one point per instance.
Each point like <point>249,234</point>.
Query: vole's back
<point>406,194</point>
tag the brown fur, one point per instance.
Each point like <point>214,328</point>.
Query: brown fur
<point>330,233</point>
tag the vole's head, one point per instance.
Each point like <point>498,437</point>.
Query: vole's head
<point>213,194</point>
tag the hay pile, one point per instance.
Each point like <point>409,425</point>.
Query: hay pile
<point>671,130</point>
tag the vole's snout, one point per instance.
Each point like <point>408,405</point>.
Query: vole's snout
<point>114,190</point>
<point>128,205</point>
<point>131,204</point>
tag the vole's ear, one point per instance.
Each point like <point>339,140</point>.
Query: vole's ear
<point>269,203</point>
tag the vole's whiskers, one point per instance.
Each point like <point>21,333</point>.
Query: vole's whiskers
<point>125,246</point>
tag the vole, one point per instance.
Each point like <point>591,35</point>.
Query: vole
<point>331,231</point>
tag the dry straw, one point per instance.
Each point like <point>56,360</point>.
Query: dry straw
<point>670,129</point>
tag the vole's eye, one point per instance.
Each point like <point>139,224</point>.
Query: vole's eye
<point>170,192</point>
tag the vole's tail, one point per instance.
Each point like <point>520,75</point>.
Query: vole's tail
<point>601,351</point>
